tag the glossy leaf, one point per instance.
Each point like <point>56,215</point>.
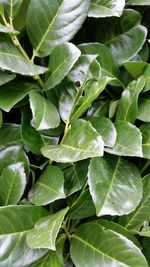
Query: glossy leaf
<point>147,78</point>
<point>5,77</point>
<point>13,182</point>
<point>46,230</point>
<point>102,250</point>
<point>129,140</point>
<point>60,22</point>
<point>128,104</point>
<point>138,2</point>
<point>115,185</point>
<point>45,114</point>
<point>81,142</point>
<point>11,7</point>
<point>9,134</point>
<point>11,59</point>
<point>48,188</point>
<point>102,8</point>
<point>16,221</point>
<point>145,130</point>
<point>107,63</point>
<point>121,39</point>
<point>135,220</point>
<point>12,93</point>
<point>135,68</point>
<point>106,129</point>
<point>62,60</point>
<point>143,108</point>
<point>5,29</point>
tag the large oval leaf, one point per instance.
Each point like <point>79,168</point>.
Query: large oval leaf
<point>13,182</point>
<point>115,185</point>
<point>11,8</point>
<point>49,187</point>
<point>9,134</point>
<point>145,130</point>
<point>138,2</point>
<point>102,8</point>
<point>81,142</point>
<point>93,245</point>
<point>55,22</point>
<point>144,108</point>
<point>6,77</point>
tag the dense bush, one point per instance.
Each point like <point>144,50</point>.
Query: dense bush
<point>74,133</point>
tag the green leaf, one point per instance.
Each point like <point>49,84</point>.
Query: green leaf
<point>128,104</point>
<point>143,108</point>
<point>1,118</point>
<point>94,245</point>
<point>53,258</point>
<point>82,207</point>
<point>12,93</point>
<point>124,36</point>
<point>145,130</point>
<point>62,60</point>
<point>6,77</point>
<point>9,134</point>
<point>135,220</point>
<point>81,142</point>
<point>5,29</point>
<point>45,114</point>
<point>115,185</point>
<point>147,78</point>
<point>55,23</point>
<point>129,140</point>
<point>11,59</point>
<point>135,68</point>
<point>92,90</point>
<point>75,176</point>
<point>138,2</point>
<point>11,8</point>
<point>48,188</point>
<point>13,183</point>
<point>46,230</point>
<point>16,221</point>
<point>84,69</point>
<point>106,60</point>
<point>105,128</point>
<point>31,138</point>
<point>102,8</point>
<point>145,231</point>
<point>12,155</point>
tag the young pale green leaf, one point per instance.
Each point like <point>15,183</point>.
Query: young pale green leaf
<point>75,176</point>
<point>145,130</point>
<point>85,68</point>
<point>48,188</point>
<point>105,128</point>
<point>93,245</point>
<point>82,207</point>
<point>45,114</point>
<point>115,185</point>
<point>12,155</point>
<point>128,104</point>
<point>9,134</point>
<point>106,60</point>
<point>135,68</point>
<point>124,36</point>
<point>145,231</point>
<point>5,29</point>
<point>53,258</point>
<point>92,90</point>
<point>129,140</point>
<point>81,142</point>
<point>6,77</point>
<point>135,220</point>
<point>46,230</point>
<point>11,8</point>
<point>54,23</point>
<point>62,60</point>
<point>16,221</point>
<point>12,93</point>
<point>102,8</point>
<point>138,2</point>
<point>11,59</point>
<point>144,108</point>
<point>13,183</point>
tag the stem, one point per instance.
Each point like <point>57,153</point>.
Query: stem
<point>67,128</point>
<point>146,165</point>
<point>17,43</point>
